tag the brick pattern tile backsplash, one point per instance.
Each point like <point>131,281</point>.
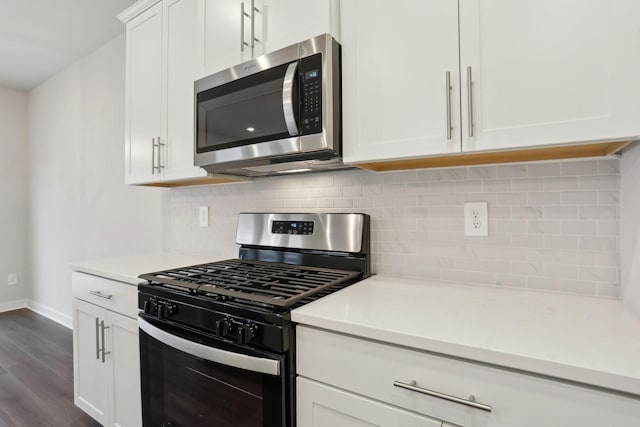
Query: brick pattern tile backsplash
<point>552,226</point>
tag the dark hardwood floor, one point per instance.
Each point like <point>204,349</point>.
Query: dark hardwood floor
<point>36,373</point>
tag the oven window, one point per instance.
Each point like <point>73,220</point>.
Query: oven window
<point>242,112</point>
<point>179,389</point>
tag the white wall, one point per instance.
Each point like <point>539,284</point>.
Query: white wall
<point>630,226</point>
<point>80,207</point>
<point>553,226</point>
<point>13,205</point>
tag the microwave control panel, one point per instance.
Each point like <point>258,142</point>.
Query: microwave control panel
<point>310,69</point>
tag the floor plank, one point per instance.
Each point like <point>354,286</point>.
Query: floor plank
<point>36,373</point>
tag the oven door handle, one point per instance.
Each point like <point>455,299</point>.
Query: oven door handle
<point>228,358</point>
<point>287,99</point>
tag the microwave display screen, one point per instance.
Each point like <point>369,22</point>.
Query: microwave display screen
<point>311,74</point>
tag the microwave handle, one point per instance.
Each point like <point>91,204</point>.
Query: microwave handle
<point>224,357</point>
<point>287,99</point>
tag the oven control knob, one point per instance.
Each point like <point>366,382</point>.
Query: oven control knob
<point>245,333</point>
<point>149,307</point>
<point>222,327</point>
<point>163,311</point>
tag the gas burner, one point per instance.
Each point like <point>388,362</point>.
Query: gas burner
<point>276,284</point>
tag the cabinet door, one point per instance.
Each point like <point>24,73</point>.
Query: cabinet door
<point>143,113</point>
<point>124,368</point>
<point>89,378</point>
<point>219,35</point>
<point>286,22</point>
<point>396,57</point>
<point>319,405</point>
<point>548,71</point>
<point>179,40</point>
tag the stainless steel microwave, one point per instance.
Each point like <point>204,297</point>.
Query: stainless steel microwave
<point>277,113</point>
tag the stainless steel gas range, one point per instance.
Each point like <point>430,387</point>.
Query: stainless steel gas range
<point>217,345</point>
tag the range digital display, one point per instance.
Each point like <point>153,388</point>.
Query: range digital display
<point>292,227</point>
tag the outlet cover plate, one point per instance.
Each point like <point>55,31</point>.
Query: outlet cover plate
<point>12,279</point>
<point>203,216</point>
<point>476,219</point>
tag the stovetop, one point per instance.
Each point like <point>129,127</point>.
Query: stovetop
<point>285,261</point>
<point>274,284</point>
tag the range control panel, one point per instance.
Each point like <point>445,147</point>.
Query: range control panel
<point>311,83</point>
<point>292,227</point>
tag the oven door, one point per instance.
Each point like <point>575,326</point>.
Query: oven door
<point>191,379</point>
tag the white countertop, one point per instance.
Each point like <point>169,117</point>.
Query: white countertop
<point>127,268</point>
<point>590,340</point>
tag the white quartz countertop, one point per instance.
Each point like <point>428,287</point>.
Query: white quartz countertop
<point>589,340</point>
<point>127,268</point>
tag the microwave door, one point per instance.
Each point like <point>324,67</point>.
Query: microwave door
<point>249,110</point>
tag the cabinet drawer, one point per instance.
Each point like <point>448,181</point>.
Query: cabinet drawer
<point>319,405</point>
<point>116,296</point>
<point>371,368</point>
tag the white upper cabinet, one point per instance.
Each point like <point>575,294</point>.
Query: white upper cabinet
<point>143,111</point>
<point>179,65</point>
<point>286,22</point>
<point>549,71</point>
<point>224,32</point>
<point>233,31</point>
<point>397,58</point>
<point>161,69</point>
<point>523,74</point>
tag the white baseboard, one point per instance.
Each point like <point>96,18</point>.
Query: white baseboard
<point>13,305</point>
<point>49,312</point>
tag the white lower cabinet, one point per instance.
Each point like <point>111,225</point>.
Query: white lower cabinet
<point>322,406</point>
<point>106,356</point>
<point>89,376</point>
<point>370,373</point>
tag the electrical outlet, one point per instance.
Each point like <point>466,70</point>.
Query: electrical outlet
<point>12,279</point>
<point>204,216</point>
<point>476,219</point>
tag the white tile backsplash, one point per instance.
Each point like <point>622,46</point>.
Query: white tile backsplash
<point>553,226</point>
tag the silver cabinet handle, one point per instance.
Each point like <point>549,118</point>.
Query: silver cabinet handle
<point>448,82</point>
<point>470,100</point>
<point>155,145</point>
<point>467,402</point>
<point>224,357</point>
<point>287,99</point>
<point>101,295</point>
<point>160,166</point>
<point>97,339</point>
<point>254,9</point>
<point>102,339</point>
<point>243,14</point>
<point>153,156</point>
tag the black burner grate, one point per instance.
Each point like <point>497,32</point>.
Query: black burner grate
<point>266,282</point>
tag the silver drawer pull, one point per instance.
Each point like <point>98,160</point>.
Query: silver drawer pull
<point>470,402</point>
<point>100,294</point>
